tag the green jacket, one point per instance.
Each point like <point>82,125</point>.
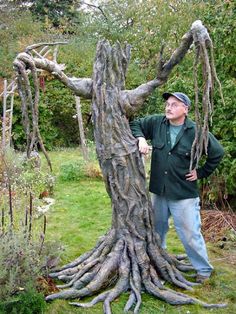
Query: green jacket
<point>170,165</point>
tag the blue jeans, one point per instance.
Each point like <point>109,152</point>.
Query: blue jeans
<point>187,221</point>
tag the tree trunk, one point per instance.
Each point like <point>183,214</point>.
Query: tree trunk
<point>129,256</point>
<point>117,151</point>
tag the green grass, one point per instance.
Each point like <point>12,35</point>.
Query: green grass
<point>82,213</point>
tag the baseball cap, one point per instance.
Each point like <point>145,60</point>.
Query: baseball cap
<point>181,96</point>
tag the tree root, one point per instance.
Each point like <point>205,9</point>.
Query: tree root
<point>131,264</point>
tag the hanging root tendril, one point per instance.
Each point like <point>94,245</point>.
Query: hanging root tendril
<point>203,53</point>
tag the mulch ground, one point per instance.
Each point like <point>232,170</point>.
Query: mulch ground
<point>217,225</point>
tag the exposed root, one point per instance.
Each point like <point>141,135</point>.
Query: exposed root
<point>66,278</point>
<point>181,257</point>
<point>122,284</point>
<point>108,270</point>
<point>181,278</point>
<point>167,295</point>
<point>66,294</point>
<point>132,265</point>
<point>166,270</point>
<point>137,296</point>
<point>155,278</point>
<point>213,306</point>
<point>130,302</point>
<point>177,298</point>
<point>100,298</point>
<point>105,244</point>
<point>184,268</point>
<point>80,273</point>
<point>135,281</point>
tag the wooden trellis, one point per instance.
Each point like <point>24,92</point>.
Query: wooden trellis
<point>7,113</point>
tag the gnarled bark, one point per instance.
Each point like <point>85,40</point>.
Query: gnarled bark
<point>129,257</point>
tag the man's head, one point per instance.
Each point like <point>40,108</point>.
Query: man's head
<point>180,96</point>
<point>177,107</point>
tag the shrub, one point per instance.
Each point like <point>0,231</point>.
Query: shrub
<point>92,170</point>
<point>29,302</point>
<point>74,171</point>
<point>20,262</point>
<point>23,256</point>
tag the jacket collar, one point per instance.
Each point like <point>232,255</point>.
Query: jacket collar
<point>188,124</point>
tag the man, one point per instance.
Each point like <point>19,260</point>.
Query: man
<point>174,187</point>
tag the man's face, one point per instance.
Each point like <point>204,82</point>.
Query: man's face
<point>175,110</point>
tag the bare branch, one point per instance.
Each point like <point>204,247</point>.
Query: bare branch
<point>37,53</point>
<point>35,46</point>
<point>176,57</point>
<point>96,7</point>
<point>55,54</point>
<point>135,98</point>
<point>43,50</point>
<point>81,87</point>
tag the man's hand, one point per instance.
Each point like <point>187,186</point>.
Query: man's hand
<point>143,145</point>
<point>192,175</point>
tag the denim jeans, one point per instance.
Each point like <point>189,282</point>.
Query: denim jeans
<point>187,222</point>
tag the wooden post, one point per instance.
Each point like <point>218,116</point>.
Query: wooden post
<point>11,117</point>
<point>81,128</point>
<point>4,115</point>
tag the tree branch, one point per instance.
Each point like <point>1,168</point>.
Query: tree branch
<point>81,87</point>
<point>96,7</point>
<point>135,98</point>
<point>35,46</point>
<point>176,57</point>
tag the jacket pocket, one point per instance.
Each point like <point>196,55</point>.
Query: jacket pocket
<point>157,151</point>
<point>158,145</point>
<point>182,158</point>
<point>183,152</point>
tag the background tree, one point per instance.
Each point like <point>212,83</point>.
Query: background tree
<point>129,256</point>
<point>63,15</point>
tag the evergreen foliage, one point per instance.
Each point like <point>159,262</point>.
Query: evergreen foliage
<point>30,302</point>
<point>57,12</point>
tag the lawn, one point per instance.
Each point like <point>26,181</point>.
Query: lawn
<point>82,213</point>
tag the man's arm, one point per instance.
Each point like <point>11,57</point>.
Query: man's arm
<point>214,155</point>
<point>142,129</point>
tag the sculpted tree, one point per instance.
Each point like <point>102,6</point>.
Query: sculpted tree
<point>129,257</point>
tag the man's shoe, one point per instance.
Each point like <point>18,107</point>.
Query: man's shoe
<point>201,278</point>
